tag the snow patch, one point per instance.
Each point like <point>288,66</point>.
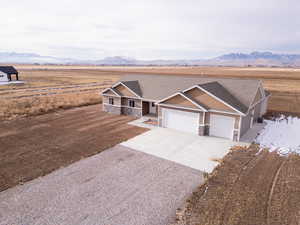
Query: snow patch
<point>281,134</point>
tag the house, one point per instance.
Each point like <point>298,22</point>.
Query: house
<point>6,73</point>
<point>220,107</point>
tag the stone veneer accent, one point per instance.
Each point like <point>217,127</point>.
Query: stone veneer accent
<point>131,111</point>
<point>112,109</point>
<point>235,135</point>
<point>201,131</point>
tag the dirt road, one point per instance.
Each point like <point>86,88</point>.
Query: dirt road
<point>35,146</point>
<point>248,189</point>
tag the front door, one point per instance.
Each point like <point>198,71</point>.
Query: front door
<point>145,108</point>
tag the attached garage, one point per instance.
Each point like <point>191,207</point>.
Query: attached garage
<point>221,126</point>
<point>180,120</point>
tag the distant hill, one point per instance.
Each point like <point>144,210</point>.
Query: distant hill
<point>258,59</point>
<point>30,58</point>
<point>232,59</point>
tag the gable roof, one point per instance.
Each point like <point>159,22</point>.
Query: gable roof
<point>134,86</point>
<point>157,87</point>
<point>217,90</point>
<point>116,92</point>
<point>187,98</point>
<point>8,69</point>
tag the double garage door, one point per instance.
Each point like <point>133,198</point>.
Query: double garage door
<point>220,126</point>
<point>181,120</point>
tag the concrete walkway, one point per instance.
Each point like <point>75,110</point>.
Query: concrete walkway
<point>119,186</point>
<point>187,149</point>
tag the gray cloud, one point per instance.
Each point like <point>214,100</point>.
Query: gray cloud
<point>149,29</point>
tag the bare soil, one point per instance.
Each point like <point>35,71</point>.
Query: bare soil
<point>35,146</point>
<point>248,188</point>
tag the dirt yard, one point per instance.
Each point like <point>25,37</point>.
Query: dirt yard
<point>35,146</point>
<point>248,188</point>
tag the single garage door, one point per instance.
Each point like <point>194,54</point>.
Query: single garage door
<point>221,126</point>
<point>181,120</point>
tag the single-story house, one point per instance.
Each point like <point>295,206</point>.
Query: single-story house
<point>221,107</point>
<point>6,73</point>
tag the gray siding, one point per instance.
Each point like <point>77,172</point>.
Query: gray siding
<point>264,106</point>
<point>257,111</point>
<point>245,124</point>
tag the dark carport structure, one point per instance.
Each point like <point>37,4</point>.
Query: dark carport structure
<point>9,70</point>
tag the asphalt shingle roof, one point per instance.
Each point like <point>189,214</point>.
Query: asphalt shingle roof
<point>134,86</point>
<point>236,92</point>
<point>220,92</point>
<point>8,69</point>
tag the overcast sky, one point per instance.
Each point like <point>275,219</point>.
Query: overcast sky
<point>165,29</point>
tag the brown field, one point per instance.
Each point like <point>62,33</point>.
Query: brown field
<point>36,146</point>
<point>247,188</point>
<point>49,88</point>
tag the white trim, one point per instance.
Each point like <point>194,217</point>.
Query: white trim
<point>210,94</point>
<point>120,82</point>
<point>132,97</point>
<point>120,106</point>
<point>252,118</point>
<point>195,103</point>
<point>207,92</point>
<point>180,107</point>
<point>262,90</point>
<point>166,98</point>
<point>111,96</point>
<point>190,88</point>
<point>133,103</point>
<point>261,100</point>
<point>131,107</point>
<point>252,102</point>
<point>220,111</point>
<point>240,125</point>
<point>182,95</point>
<point>110,89</point>
<point>205,124</point>
<point>148,100</point>
<point>112,105</point>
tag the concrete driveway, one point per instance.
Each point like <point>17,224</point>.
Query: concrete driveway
<point>119,186</point>
<point>187,149</point>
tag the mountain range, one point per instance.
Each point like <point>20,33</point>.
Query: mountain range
<point>232,59</point>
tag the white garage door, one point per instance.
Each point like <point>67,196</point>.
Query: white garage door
<point>221,126</point>
<point>181,120</point>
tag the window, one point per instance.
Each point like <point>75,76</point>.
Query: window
<point>153,104</point>
<point>131,103</point>
<point>111,101</point>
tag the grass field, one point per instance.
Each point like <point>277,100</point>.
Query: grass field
<point>48,88</point>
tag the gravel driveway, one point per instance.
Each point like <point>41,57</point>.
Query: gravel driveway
<point>119,186</point>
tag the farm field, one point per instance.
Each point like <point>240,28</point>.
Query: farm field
<point>247,188</point>
<point>36,146</point>
<point>46,90</point>
<point>68,83</point>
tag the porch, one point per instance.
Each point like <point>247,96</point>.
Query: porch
<point>149,109</point>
